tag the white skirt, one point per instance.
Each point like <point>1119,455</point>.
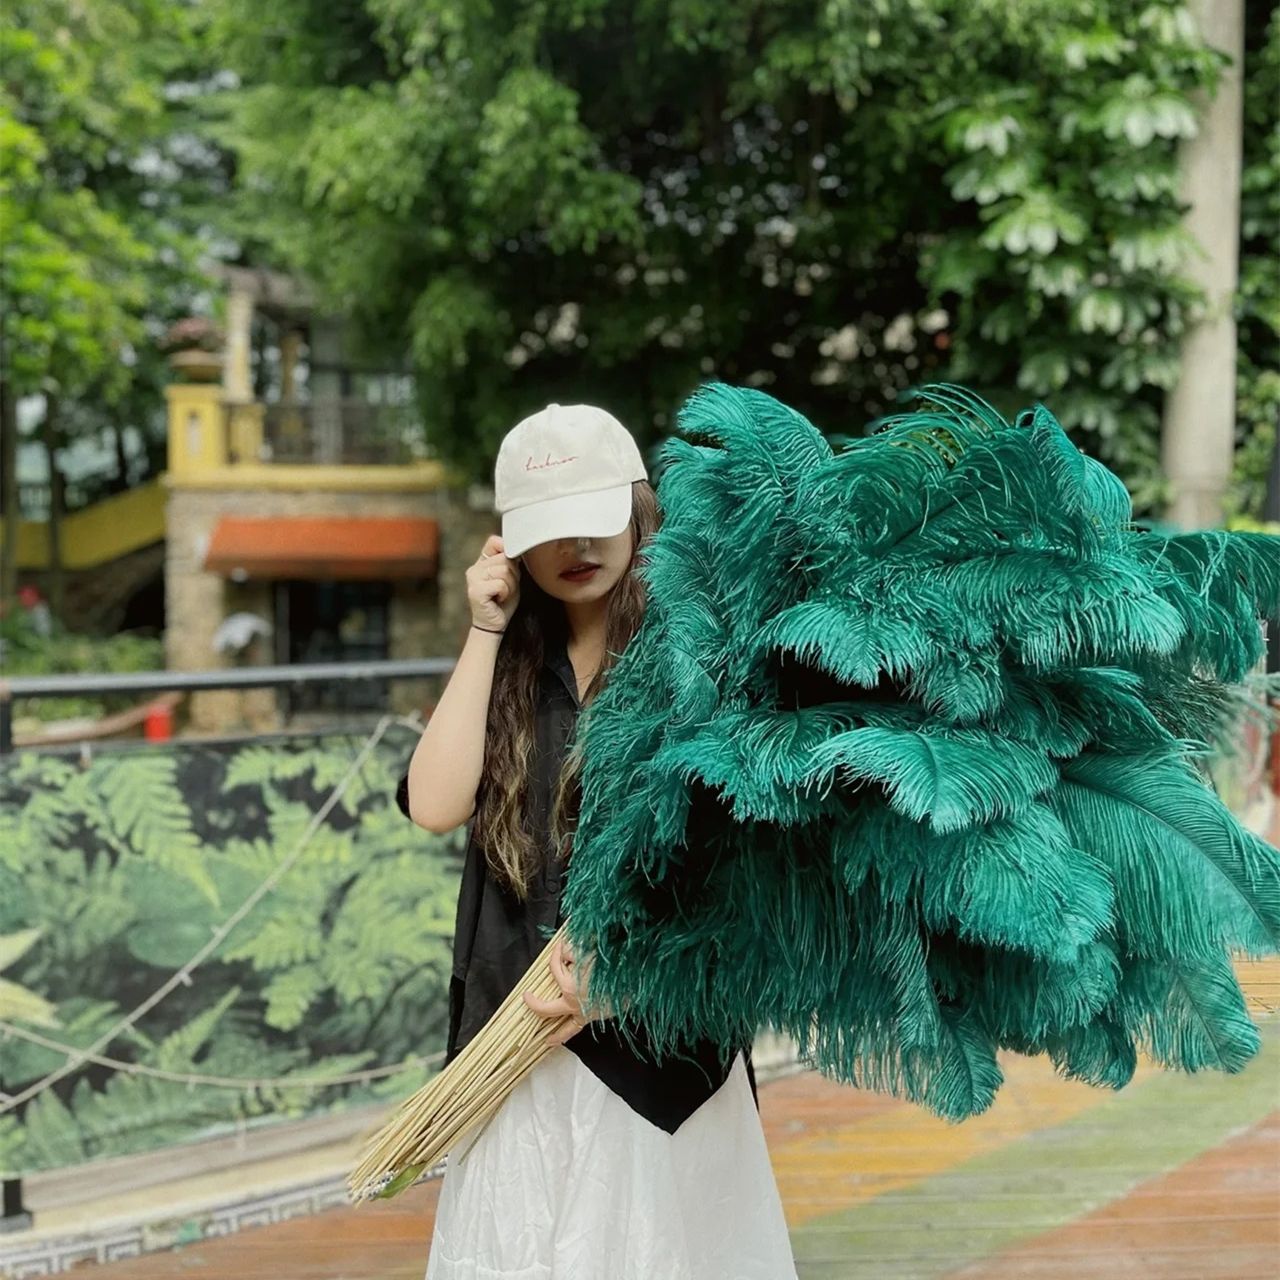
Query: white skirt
<point>567,1182</point>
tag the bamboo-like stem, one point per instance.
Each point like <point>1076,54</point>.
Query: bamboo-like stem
<point>468,1092</point>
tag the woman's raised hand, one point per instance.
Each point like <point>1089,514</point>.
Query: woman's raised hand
<point>493,586</point>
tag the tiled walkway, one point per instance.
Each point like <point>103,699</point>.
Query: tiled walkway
<point>1175,1177</point>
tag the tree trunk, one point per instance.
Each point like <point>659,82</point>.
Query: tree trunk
<point>122,456</point>
<point>8,496</point>
<point>57,578</point>
<point>1198,438</point>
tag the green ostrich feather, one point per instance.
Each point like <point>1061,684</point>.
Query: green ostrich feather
<point>903,760</point>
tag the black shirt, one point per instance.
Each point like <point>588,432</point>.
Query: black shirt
<point>497,936</point>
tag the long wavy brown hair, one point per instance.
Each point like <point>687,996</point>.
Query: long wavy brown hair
<point>503,828</point>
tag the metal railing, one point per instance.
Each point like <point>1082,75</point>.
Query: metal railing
<point>35,497</point>
<point>347,430</point>
<point>74,686</point>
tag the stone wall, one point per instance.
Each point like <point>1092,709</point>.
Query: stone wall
<point>427,619</point>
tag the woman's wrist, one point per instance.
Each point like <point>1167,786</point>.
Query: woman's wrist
<point>490,630</point>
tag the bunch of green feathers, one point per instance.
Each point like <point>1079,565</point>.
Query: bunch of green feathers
<point>908,758</point>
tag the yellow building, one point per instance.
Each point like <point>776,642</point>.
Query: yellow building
<point>298,492</point>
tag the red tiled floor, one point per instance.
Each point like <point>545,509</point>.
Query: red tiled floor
<point>388,1240</point>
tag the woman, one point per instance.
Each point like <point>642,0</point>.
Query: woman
<point>603,1163</point>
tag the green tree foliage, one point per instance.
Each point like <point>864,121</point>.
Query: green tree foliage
<point>829,201</point>
<point>85,120</point>
<point>114,875</point>
<point>99,222</point>
<point>1258,308</point>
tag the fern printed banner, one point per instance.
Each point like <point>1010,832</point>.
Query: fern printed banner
<point>126,866</point>
<point>909,758</point>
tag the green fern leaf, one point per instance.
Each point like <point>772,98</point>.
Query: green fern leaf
<point>147,811</point>
<point>290,994</point>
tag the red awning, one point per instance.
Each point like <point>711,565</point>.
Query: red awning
<point>366,547</point>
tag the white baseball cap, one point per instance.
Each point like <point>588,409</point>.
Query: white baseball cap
<point>564,472</point>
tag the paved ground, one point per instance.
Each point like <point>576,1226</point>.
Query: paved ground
<point>1175,1177</point>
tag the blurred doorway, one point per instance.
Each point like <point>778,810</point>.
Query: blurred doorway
<point>327,621</point>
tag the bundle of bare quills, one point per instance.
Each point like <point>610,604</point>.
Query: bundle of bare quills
<point>467,1093</point>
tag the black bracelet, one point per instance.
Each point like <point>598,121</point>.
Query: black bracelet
<point>490,630</point>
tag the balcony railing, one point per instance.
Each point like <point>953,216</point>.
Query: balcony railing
<point>35,496</point>
<point>254,677</point>
<point>349,430</point>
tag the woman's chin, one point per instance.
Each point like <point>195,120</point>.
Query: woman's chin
<point>580,592</point>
